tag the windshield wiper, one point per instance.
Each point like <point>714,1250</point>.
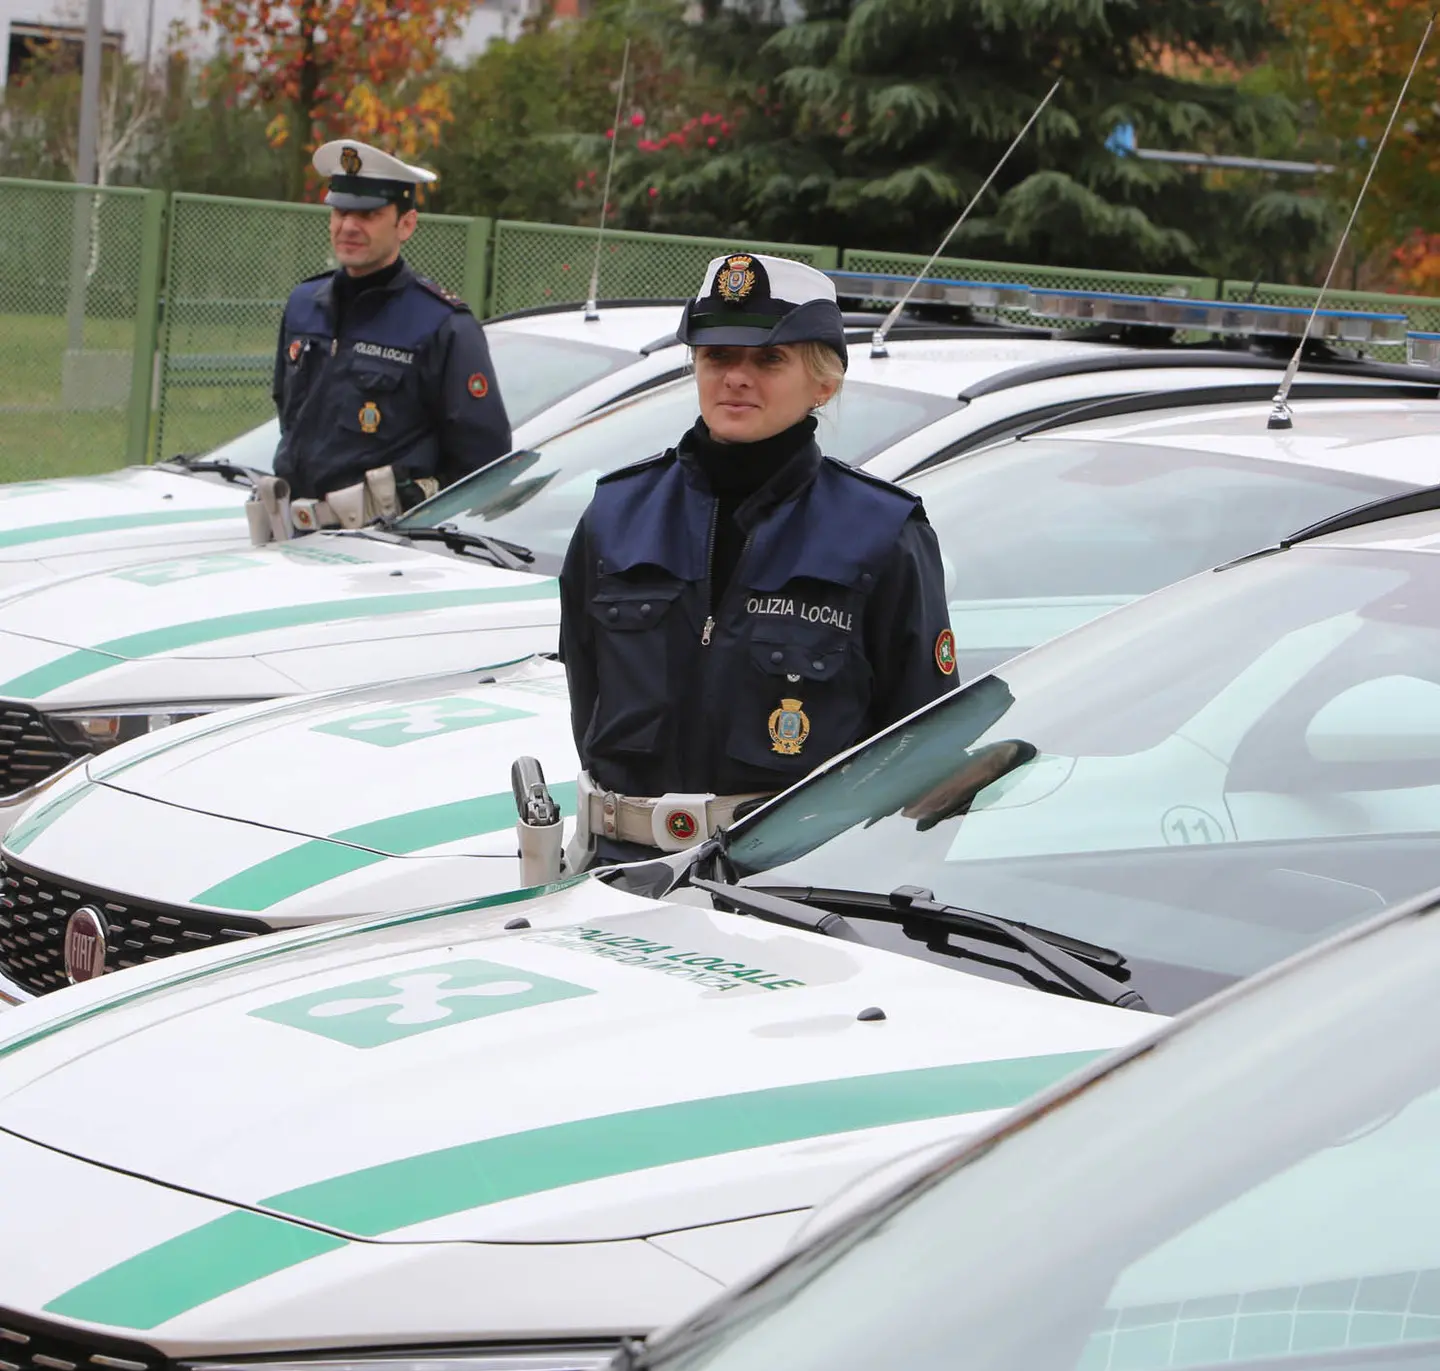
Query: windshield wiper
<point>776,909</point>
<point>1086,970</point>
<point>512,556</point>
<point>231,471</point>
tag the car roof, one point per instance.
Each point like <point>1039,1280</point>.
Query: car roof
<point>629,325</point>
<point>1385,436</point>
<point>950,366</point>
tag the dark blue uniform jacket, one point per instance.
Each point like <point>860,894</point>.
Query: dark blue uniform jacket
<point>831,626</point>
<point>407,384</point>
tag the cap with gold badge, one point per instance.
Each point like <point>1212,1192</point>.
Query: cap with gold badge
<point>749,299</point>
<point>362,177</point>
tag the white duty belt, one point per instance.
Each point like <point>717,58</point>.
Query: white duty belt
<point>672,822</point>
<point>274,516</point>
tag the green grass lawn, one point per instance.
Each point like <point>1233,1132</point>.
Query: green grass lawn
<point>39,438</point>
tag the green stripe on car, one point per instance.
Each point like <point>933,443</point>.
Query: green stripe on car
<point>279,946</point>
<point>113,523</point>
<point>312,863</point>
<point>38,817</point>
<point>192,1269</point>
<point>74,666</point>
<point>399,1194</point>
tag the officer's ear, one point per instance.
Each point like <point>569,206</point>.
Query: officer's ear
<point>406,223</point>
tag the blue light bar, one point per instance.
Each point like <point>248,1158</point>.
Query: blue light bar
<point>1423,349</point>
<point>933,290</point>
<point>1217,316</point>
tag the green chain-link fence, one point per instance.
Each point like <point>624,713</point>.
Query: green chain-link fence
<point>78,271</point>
<point>544,264</point>
<point>230,266</point>
<point>104,359</point>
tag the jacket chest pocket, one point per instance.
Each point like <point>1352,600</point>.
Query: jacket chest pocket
<point>374,400</point>
<point>801,696</point>
<point>632,630</point>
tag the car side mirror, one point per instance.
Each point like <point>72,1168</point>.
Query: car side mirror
<point>1388,719</point>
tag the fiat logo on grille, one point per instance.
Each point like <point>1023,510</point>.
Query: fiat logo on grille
<point>85,934</point>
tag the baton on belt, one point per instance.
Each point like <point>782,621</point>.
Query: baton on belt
<point>537,825</point>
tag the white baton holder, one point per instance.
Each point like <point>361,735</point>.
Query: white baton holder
<point>542,850</point>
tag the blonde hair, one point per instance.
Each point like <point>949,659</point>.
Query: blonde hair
<point>822,364</point>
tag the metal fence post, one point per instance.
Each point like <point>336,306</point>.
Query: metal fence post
<point>475,288</point>
<point>147,326</point>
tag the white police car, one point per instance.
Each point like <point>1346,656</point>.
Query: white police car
<point>504,1135</point>
<point>398,795</point>
<point>554,367</point>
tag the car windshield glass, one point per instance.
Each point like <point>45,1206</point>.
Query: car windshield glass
<point>1042,535</point>
<point>1206,782</point>
<point>502,499</point>
<point>254,449</point>
<point>1258,1190</point>
<point>536,371</point>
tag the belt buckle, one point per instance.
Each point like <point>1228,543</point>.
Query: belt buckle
<point>679,821</point>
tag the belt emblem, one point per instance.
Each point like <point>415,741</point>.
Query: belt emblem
<point>369,416</point>
<point>682,825</point>
<point>789,727</point>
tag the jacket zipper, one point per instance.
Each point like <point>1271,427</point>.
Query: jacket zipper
<point>709,627</point>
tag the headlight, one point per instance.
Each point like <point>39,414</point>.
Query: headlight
<point>95,730</point>
<point>587,1358</point>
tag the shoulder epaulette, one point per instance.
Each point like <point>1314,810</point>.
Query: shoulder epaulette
<point>441,293</point>
<point>635,468</point>
<point>879,482</point>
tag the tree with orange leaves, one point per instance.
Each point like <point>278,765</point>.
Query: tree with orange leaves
<point>365,69</point>
<point>1350,57</point>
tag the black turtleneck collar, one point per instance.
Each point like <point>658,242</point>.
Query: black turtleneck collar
<point>736,471</point>
<point>345,287</point>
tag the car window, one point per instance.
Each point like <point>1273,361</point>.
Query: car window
<point>1257,1190</point>
<point>505,498</point>
<point>536,371</point>
<point>254,449</point>
<point>1198,783</point>
<point>1043,535</point>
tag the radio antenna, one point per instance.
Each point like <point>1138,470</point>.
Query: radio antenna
<point>877,343</point>
<point>1280,415</point>
<point>592,307</point>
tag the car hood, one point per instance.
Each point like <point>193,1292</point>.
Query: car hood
<point>588,1065</point>
<point>48,527</point>
<point>393,797</point>
<point>324,611</point>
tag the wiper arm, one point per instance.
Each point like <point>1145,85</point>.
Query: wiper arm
<point>231,471</point>
<point>1086,970</point>
<point>776,909</point>
<point>512,556</point>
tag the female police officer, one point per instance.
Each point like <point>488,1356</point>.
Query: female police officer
<point>739,608</point>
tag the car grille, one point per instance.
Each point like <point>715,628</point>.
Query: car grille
<point>29,750</point>
<point>34,908</point>
<point>29,1345</point>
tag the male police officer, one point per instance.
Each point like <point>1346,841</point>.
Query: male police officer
<point>383,381</point>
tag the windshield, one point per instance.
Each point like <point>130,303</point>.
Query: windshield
<point>1257,1190</point>
<point>1206,783</point>
<point>536,371</point>
<point>500,500</point>
<point>1072,527</point>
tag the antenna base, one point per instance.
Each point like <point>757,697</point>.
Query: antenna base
<point>877,344</point>
<point>1280,416</point>
<point>592,311</point>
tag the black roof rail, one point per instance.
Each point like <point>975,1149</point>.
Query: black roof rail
<point>1160,358</point>
<point>1062,414</point>
<point>1373,511</point>
<point>1139,402</point>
